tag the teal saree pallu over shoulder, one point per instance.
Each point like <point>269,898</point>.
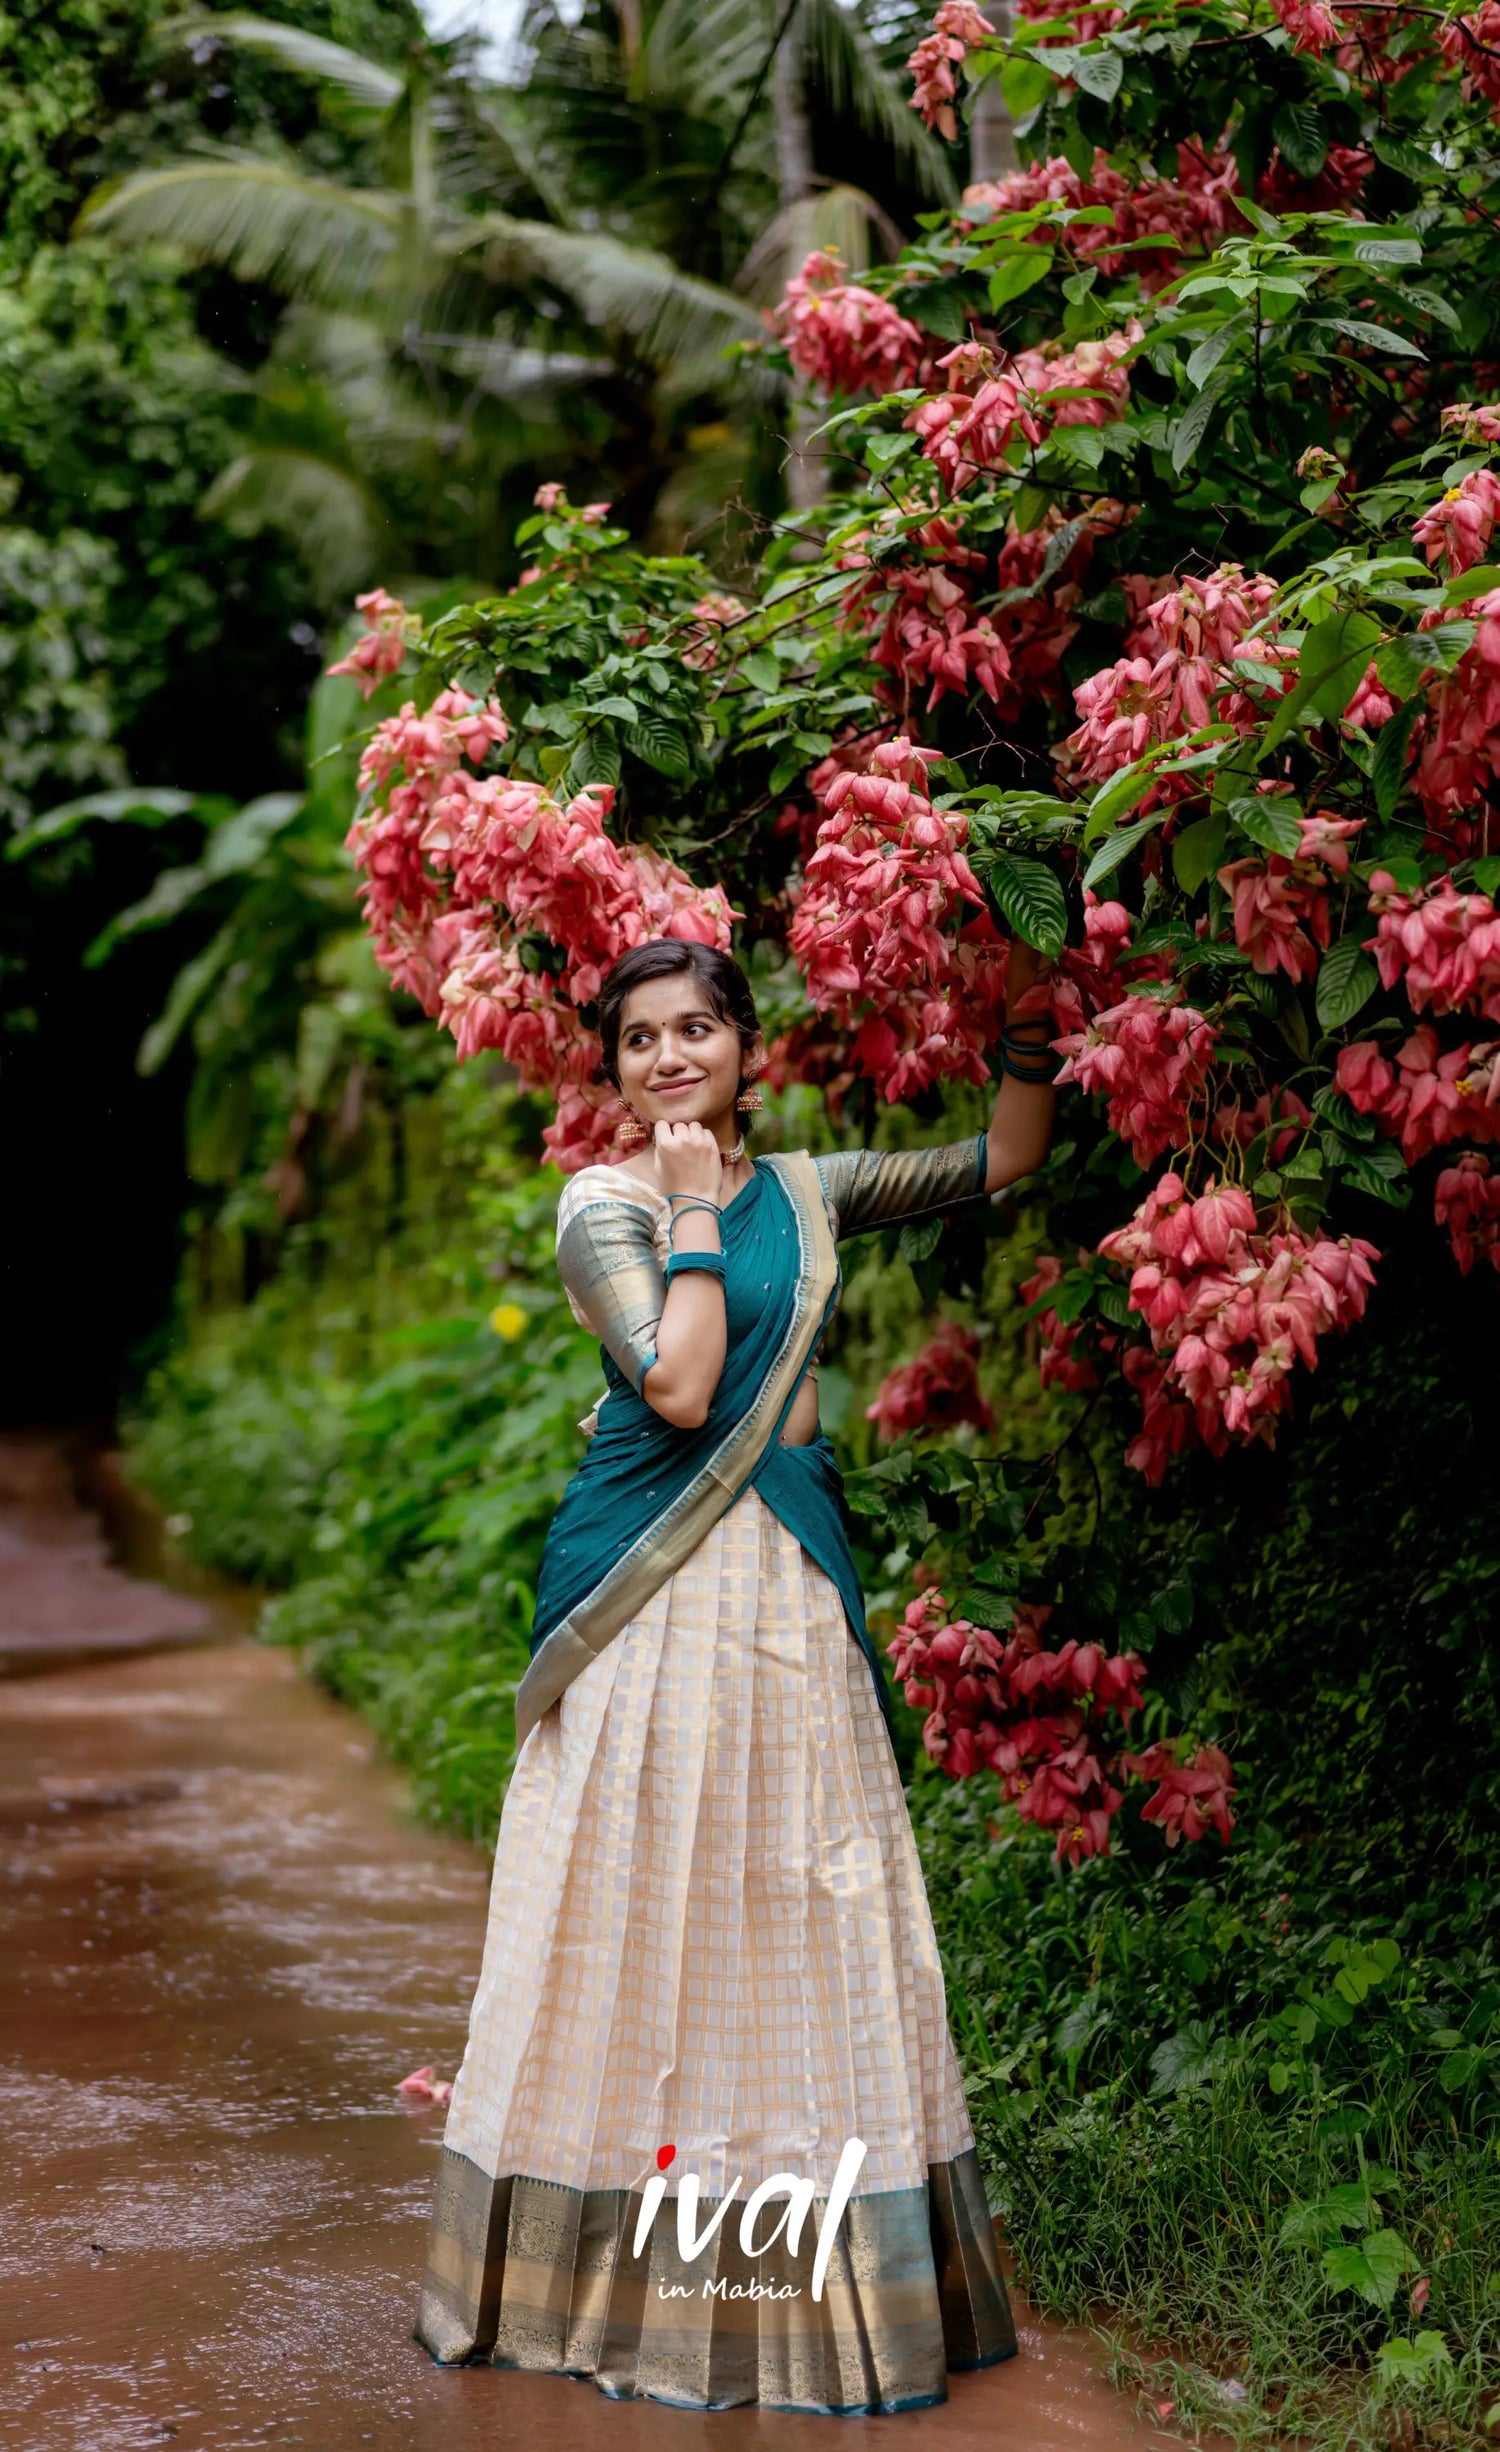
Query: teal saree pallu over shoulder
<point>708,1931</point>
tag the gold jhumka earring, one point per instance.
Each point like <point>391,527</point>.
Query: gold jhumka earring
<point>631,1129</point>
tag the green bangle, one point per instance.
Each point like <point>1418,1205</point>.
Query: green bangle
<point>690,1200</point>
<point>709,1264</point>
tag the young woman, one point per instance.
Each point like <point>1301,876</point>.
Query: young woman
<point>711,1961</point>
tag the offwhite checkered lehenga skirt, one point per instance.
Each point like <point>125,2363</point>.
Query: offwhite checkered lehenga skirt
<point>708,1930</point>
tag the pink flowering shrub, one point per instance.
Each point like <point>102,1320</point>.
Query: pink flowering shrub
<point>878,924</point>
<point>936,1390</point>
<point>1229,1308</point>
<point>844,338</point>
<point>1051,1724</point>
<point>957,29</point>
<point>1147,617</point>
<point>1151,1060</point>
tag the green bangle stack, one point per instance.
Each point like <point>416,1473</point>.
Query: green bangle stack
<point>1028,1059</point>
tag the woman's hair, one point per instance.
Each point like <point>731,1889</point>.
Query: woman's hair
<point>726,990</point>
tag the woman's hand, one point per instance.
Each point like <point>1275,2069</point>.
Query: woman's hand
<point>691,1334</point>
<point>688,1159</point>
<point>1025,971</point>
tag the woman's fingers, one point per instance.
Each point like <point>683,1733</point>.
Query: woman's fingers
<point>689,1160</point>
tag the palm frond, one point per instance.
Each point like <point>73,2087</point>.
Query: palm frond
<point>505,369</point>
<point>856,80</point>
<point>841,218</point>
<point>264,221</point>
<point>702,55</point>
<point>630,288</point>
<point>326,510</point>
<point>309,55</point>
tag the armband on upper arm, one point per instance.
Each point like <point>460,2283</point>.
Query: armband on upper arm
<point>611,1270</point>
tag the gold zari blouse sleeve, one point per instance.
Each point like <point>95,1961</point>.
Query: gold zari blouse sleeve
<point>611,1270</point>
<point>885,1187</point>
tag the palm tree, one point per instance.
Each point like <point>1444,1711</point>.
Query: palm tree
<point>614,221</point>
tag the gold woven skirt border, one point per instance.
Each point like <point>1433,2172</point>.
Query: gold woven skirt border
<point>524,2273</point>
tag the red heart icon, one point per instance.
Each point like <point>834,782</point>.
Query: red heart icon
<point>665,2155</point>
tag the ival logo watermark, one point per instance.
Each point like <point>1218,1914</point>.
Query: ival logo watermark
<point>799,2194</point>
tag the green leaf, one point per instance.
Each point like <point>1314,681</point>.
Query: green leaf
<point>761,670</point>
<point>1475,582</point>
<point>1347,979</point>
<point>1116,797</point>
<point>1487,874</point>
<point>1273,823</point>
<point>187,992</point>
<point>1302,134</point>
<point>1208,352</point>
<point>595,760</point>
<point>1015,274</point>
<point>919,1242</point>
<point>1031,898</point>
<point>1193,425</point>
<point>1369,336</point>
<point>1024,83</point>
<point>1119,847</point>
<point>133,804</point>
<point>661,745</point>
<point>1388,765</point>
<point>1404,663</point>
<point>624,710</point>
<point>1099,73</point>
<point>1334,655</point>
<point>1458,2069</point>
<point>1403,2357</point>
<point>883,450</point>
<point>1197,852</point>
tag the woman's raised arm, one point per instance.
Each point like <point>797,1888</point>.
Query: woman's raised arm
<point>1020,1128</point>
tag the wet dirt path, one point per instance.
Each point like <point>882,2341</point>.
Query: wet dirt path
<point>223,1942</point>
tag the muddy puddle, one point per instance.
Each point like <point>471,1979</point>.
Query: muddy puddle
<point>223,1942</point>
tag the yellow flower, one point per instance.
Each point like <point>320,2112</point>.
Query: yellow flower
<point>508,1320</point>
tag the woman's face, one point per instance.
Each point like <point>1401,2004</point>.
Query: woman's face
<point>678,1062</point>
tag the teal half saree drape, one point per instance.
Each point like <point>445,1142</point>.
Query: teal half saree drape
<point>708,1928</point>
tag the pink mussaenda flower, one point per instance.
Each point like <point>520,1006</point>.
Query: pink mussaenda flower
<point>1467,421</point>
<point>957,29</point>
<point>1471,43</point>
<point>1281,905</point>
<point>1195,208</point>
<point>1459,525</point>
<point>936,1390</point>
<point>1466,1200</point>
<point>1310,23</point>
<point>990,406</point>
<point>1440,946</point>
<point>1459,757</point>
<point>1039,1718</point>
<point>1150,1059</point>
<point>841,336</point>
<point>1229,1309</point>
<point>382,650</point>
<point>1336,188</point>
<point>1430,1096</point>
<point>550,497</point>
<point>1193,1794</point>
<point>594,514</point>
